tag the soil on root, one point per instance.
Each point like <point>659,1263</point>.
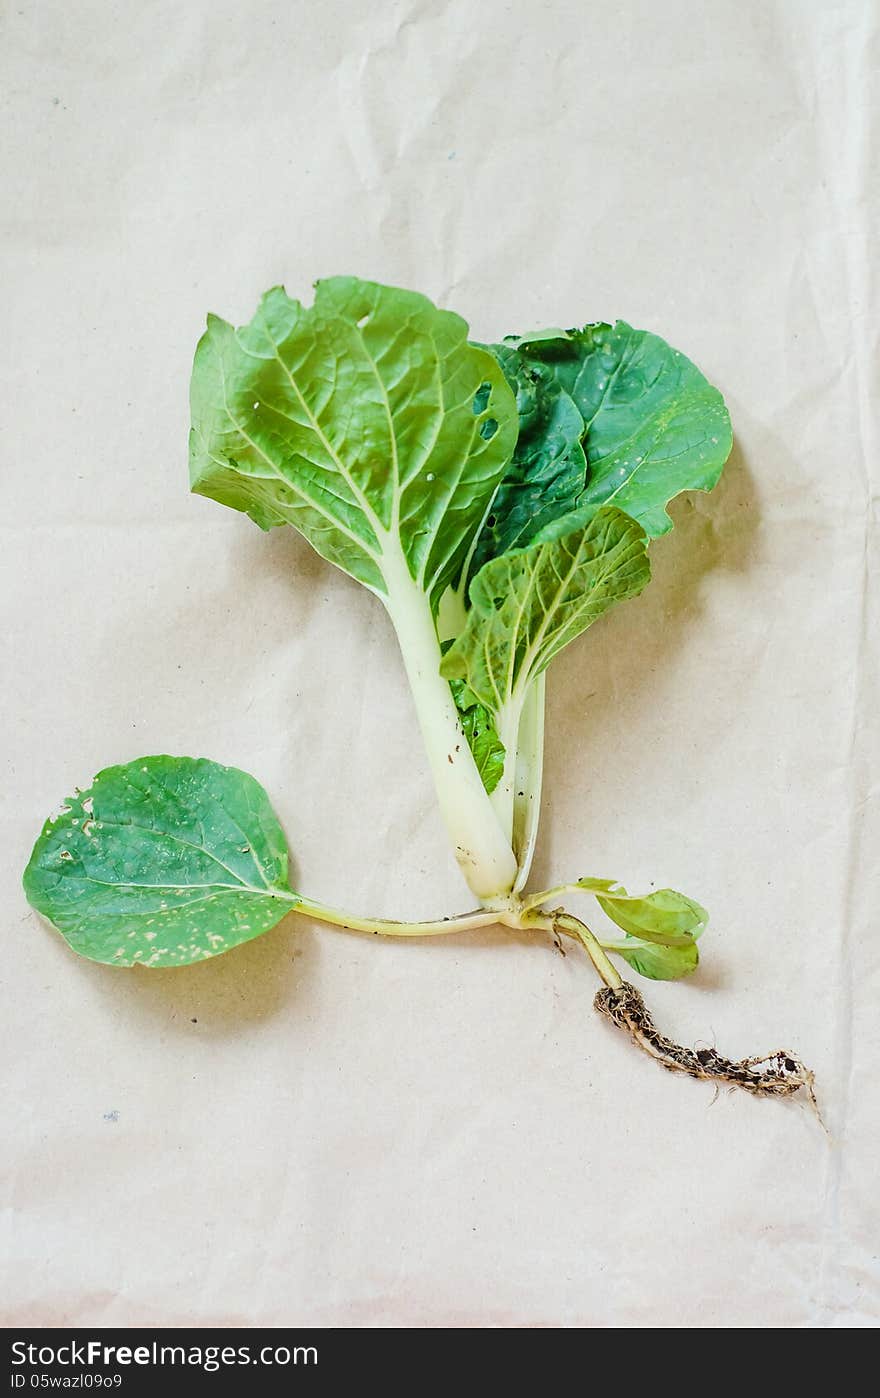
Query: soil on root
<point>776,1074</point>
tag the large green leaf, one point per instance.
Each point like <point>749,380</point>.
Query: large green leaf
<point>655,426</point>
<point>162,862</point>
<point>528,604</point>
<point>652,427</point>
<point>548,470</point>
<point>365,420</point>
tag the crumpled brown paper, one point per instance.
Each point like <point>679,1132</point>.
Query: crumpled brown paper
<point>317,1128</point>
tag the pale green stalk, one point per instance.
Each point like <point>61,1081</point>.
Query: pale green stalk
<point>481,846</point>
<point>529,776</point>
<point>387,927</point>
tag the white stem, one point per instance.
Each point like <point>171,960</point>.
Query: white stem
<point>529,775</point>
<point>481,847</point>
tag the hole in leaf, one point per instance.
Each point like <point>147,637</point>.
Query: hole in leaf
<point>481,398</point>
<point>488,429</point>
<point>498,603</point>
<point>492,520</point>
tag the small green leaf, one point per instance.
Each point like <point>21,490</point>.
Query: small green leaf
<point>481,733</point>
<point>657,963</point>
<point>661,928</point>
<point>162,862</point>
<point>528,604</point>
<point>597,885</point>
<point>665,917</point>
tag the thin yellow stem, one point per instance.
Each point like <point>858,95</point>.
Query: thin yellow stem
<point>571,926</point>
<point>535,900</point>
<point>387,927</point>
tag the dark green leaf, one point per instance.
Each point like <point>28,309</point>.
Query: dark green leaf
<point>548,469</point>
<point>653,427</point>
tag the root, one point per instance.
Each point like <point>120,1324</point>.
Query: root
<point>778,1074</point>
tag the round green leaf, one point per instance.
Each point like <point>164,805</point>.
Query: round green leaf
<point>162,862</point>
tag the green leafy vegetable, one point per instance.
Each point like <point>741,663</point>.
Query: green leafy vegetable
<point>369,423</point>
<point>162,862</point>
<point>607,414</point>
<point>497,501</point>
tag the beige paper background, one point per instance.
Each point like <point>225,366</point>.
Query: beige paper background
<point>317,1128</point>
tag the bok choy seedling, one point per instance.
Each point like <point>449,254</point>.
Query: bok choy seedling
<point>497,500</point>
